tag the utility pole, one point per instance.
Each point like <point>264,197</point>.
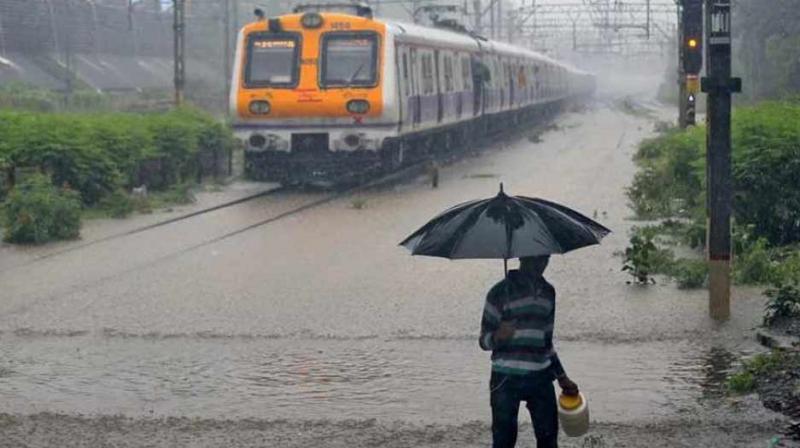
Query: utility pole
<point>719,85</point>
<point>226,70</point>
<point>179,29</point>
<point>499,17</point>
<point>478,16</point>
<point>491,18</point>
<point>66,22</point>
<point>511,25</point>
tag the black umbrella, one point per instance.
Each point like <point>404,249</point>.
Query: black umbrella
<point>505,227</point>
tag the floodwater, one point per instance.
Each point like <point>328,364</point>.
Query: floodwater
<point>322,317</point>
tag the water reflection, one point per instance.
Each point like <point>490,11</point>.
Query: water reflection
<point>435,380</point>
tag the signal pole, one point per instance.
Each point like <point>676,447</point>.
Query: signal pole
<point>690,32</point>
<point>179,29</point>
<point>719,85</point>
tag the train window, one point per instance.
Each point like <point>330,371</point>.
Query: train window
<point>465,73</point>
<point>448,74</point>
<point>272,60</point>
<point>349,59</point>
<point>427,74</point>
<point>405,74</point>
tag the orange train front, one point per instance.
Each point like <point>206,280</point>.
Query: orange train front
<point>327,97</point>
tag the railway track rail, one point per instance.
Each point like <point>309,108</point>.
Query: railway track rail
<point>333,195</point>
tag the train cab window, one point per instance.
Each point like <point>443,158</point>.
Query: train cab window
<point>272,60</point>
<point>349,59</point>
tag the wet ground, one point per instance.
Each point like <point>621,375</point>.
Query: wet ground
<point>316,329</point>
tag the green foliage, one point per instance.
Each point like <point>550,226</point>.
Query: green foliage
<point>20,96</point>
<point>746,379</point>
<point>689,273</point>
<point>784,302</point>
<point>36,212</point>
<point>117,204</point>
<point>768,58</point>
<point>180,194</point>
<point>741,382</point>
<point>670,181</point>
<point>766,160</point>
<point>61,145</point>
<point>643,258</point>
<point>755,264</point>
<point>99,154</point>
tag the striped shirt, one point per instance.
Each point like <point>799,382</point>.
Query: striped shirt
<point>530,304</point>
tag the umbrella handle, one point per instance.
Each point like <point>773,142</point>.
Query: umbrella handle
<point>508,287</point>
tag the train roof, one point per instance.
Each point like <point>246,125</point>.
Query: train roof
<point>413,33</point>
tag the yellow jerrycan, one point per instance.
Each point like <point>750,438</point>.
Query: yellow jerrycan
<point>573,414</point>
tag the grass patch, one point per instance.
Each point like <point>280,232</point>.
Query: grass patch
<point>742,383</point>
<point>358,203</point>
<point>746,379</point>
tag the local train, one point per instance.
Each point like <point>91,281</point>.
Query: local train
<point>320,96</point>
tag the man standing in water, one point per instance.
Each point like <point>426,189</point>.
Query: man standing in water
<point>517,326</point>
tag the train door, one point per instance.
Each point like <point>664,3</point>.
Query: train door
<point>416,101</point>
<point>511,85</point>
<point>404,82</point>
<point>438,76</point>
<point>479,75</point>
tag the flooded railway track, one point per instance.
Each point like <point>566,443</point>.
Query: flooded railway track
<point>328,196</point>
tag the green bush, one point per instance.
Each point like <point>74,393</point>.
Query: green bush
<point>118,204</point>
<point>689,274</point>
<point>643,258</point>
<point>20,96</point>
<point>784,302</point>
<point>98,154</point>
<point>766,160</point>
<point>62,146</point>
<point>746,379</point>
<point>741,382</point>
<point>36,212</point>
<point>755,265</point>
<point>670,182</point>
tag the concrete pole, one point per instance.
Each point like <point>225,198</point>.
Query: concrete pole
<point>478,16</point>
<point>226,69</point>
<point>720,86</point>
<point>179,29</point>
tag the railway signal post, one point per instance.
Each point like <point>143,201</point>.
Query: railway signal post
<point>691,59</point>
<point>719,85</point>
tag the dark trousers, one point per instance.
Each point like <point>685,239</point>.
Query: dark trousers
<point>537,391</point>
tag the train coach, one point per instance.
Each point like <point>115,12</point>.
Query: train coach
<point>324,97</point>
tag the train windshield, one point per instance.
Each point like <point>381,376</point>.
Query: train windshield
<point>272,61</point>
<point>349,59</point>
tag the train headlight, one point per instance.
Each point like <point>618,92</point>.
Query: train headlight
<point>260,107</point>
<point>257,141</point>
<point>358,106</point>
<point>352,140</point>
<point>311,20</point>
